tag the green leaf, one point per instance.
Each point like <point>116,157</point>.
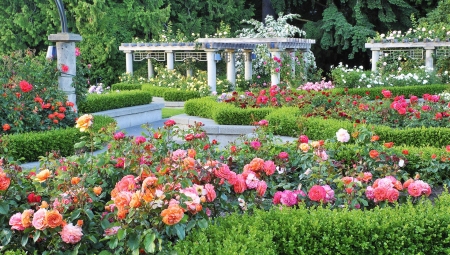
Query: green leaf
<point>180,231</point>
<point>113,243</point>
<point>133,241</point>
<point>24,240</point>
<point>149,242</point>
<point>4,207</point>
<point>105,223</point>
<point>89,213</point>
<point>75,214</point>
<point>80,145</point>
<point>105,253</point>
<point>6,236</point>
<point>203,223</point>
<point>36,236</point>
<point>121,233</point>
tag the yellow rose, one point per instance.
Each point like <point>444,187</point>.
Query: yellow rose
<point>304,147</point>
<point>84,122</point>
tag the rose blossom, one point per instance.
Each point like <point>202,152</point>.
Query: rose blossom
<point>261,188</point>
<point>119,136</point>
<point>84,122</point>
<point>172,215</point>
<point>210,192</point>
<point>16,222</point>
<point>317,193</point>
<point>269,167</point>
<point>26,218</point>
<point>342,135</point>
<point>71,234</point>
<point>39,219</point>
<point>111,231</point>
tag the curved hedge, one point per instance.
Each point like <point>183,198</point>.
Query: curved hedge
<point>405,229</point>
<point>29,146</point>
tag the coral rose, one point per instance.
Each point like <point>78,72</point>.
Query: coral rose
<point>210,192</point>
<point>374,154</point>
<point>6,127</point>
<point>4,181</point>
<point>240,186</point>
<point>98,190</point>
<point>269,167</point>
<point>71,234</point>
<point>317,193</point>
<point>75,180</point>
<point>172,215</point>
<point>392,195</point>
<point>261,188</point>
<point>53,218</point>
<point>43,175</point>
<point>304,147</point>
<point>84,122</point>
<point>380,193</point>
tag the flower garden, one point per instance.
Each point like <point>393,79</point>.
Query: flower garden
<point>368,171</point>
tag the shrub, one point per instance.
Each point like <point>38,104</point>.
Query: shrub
<point>201,107</point>
<point>235,116</point>
<point>114,100</point>
<point>408,229</point>
<point>178,95</point>
<point>125,86</point>
<point>29,146</point>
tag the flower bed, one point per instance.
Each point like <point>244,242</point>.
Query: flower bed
<point>144,193</point>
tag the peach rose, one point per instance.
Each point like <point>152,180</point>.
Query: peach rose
<point>26,218</point>
<point>256,164</point>
<point>53,218</point>
<point>123,198</point>
<point>127,183</point>
<point>135,200</point>
<point>98,190</point>
<point>75,180</point>
<point>172,215</point>
<point>304,147</point>
<point>43,175</point>
<point>84,122</point>
<point>210,192</point>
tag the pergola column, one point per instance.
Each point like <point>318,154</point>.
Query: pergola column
<point>129,61</point>
<point>275,76</point>
<point>375,58</point>
<point>231,69</point>
<point>429,66</point>
<point>248,65</point>
<point>151,73</point>
<point>211,68</point>
<point>291,53</point>
<point>169,54</point>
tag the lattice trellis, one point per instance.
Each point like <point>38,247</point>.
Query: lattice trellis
<point>442,52</point>
<point>141,55</point>
<point>415,53</point>
<point>198,55</point>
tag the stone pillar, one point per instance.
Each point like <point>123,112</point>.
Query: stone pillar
<point>248,65</point>
<point>65,51</point>
<point>211,68</point>
<point>231,69</point>
<point>292,62</point>
<point>169,54</point>
<point>189,72</point>
<point>429,66</point>
<point>129,61</point>
<point>375,58</point>
<point>275,76</point>
<point>151,72</point>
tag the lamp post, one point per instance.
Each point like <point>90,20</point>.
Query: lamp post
<point>65,54</point>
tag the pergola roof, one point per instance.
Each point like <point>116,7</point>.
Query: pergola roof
<point>221,44</point>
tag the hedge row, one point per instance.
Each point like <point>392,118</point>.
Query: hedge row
<point>114,100</point>
<point>126,86</point>
<point>407,229</point>
<point>372,93</point>
<point>289,122</point>
<point>29,146</point>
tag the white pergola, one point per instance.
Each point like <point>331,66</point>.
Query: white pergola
<point>206,49</point>
<point>431,47</point>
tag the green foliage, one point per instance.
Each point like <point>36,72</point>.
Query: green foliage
<point>178,95</point>
<point>202,107</point>
<point>412,229</point>
<point>114,100</point>
<point>125,86</point>
<point>29,146</point>
<point>236,116</point>
<point>155,90</point>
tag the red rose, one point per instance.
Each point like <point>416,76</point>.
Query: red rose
<point>447,148</point>
<point>64,68</point>
<point>169,123</point>
<point>405,152</point>
<point>25,86</point>
<point>157,135</point>
<point>6,127</point>
<point>303,139</point>
<point>388,145</point>
<point>189,137</point>
<point>386,93</point>
<point>374,154</point>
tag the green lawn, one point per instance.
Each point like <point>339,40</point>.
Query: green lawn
<point>169,112</point>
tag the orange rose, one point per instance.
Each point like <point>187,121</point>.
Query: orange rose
<point>407,183</point>
<point>53,218</point>
<point>374,154</point>
<point>135,200</point>
<point>43,175</point>
<point>80,223</point>
<point>256,164</point>
<point>374,138</point>
<point>44,204</point>
<point>75,180</point>
<point>98,190</point>
<point>84,122</point>
<point>388,145</point>
<point>172,215</point>
<point>6,127</point>
<point>191,153</point>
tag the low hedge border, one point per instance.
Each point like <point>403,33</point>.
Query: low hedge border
<point>125,86</point>
<point>420,228</point>
<point>114,100</point>
<point>29,146</point>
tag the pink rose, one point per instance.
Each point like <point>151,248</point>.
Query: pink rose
<point>269,167</point>
<point>16,222</point>
<point>261,188</point>
<point>38,219</point>
<point>392,195</point>
<point>210,192</point>
<point>71,234</point>
<point>370,194</point>
<point>317,193</point>
<point>288,198</point>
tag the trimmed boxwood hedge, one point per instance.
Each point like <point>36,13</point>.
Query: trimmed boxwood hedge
<point>114,100</point>
<point>29,146</point>
<point>420,228</point>
<point>125,86</point>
